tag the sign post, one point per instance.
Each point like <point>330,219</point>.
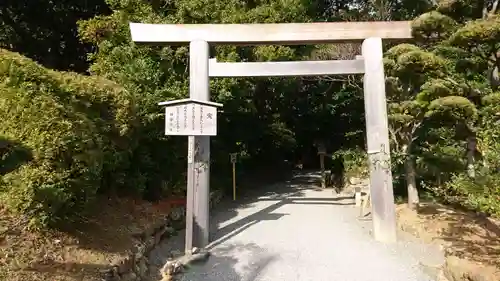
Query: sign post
<point>233,162</point>
<point>193,118</point>
<point>322,152</point>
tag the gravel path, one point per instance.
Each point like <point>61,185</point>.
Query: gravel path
<point>300,233</point>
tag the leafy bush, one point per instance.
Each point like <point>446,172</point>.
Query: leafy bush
<point>75,131</point>
<point>355,162</point>
<point>481,193</point>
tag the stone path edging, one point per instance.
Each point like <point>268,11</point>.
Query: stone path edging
<point>135,266</point>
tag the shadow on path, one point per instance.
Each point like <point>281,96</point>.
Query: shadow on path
<point>291,192</point>
<point>231,218</point>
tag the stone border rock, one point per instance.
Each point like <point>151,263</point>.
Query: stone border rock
<point>174,267</point>
<point>134,267</point>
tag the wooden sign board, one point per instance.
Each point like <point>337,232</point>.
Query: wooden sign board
<point>321,149</point>
<point>190,118</point>
<point>233,157</point>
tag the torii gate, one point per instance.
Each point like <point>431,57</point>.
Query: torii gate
<point>199,36</point>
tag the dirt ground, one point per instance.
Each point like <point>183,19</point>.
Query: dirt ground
<point>80,254</point>
<point>471,242</point>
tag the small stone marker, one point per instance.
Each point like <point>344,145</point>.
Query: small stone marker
<point>357,196</point>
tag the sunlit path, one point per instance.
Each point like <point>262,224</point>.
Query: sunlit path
<point>299,232</point>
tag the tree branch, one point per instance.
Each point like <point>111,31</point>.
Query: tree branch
<point>494,8</point>
<point>415,127</point>
<point>392,134</point>
<point>349,79</point>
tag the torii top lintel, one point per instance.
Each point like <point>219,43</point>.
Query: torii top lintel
<point>270,33</point>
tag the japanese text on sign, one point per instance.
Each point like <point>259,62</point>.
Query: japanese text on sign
<point>191,120</point>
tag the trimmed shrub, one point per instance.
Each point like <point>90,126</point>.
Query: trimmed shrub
<point>63,138</point>
<point>481,194</point>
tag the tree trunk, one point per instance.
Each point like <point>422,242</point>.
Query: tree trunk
<point>471,150</point>
<point>411,183</point>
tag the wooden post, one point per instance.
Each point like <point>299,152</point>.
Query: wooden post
<point>234,181</point>
<point>322,166</point>
<point>233,156</point>
<point>197,209</point>
<point>381,190</point>
<point>188,246</point>
<point>193,118</point>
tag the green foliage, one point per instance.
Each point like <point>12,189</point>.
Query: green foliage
<point>279,111</point>
<point>451,88</point>
<point>438,88</point>
<point>412,74</point>
<point>433,27</point>
<point>480,36</point>
<point>463,10</point>
<point>434,87</point>
<point>76,131</point>
<point>355,162</point>
<point>45,30</point>
<point>68,137</point>
<point>396,51</point>
<point>458,108</point>
<point>481,193</point>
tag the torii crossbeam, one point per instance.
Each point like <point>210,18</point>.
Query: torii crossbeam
<point>269,33</point>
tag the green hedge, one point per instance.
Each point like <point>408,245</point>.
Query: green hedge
<point>481,194</point>
<point>63,138</point>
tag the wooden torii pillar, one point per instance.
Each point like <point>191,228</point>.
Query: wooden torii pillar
<point>199,36</point>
